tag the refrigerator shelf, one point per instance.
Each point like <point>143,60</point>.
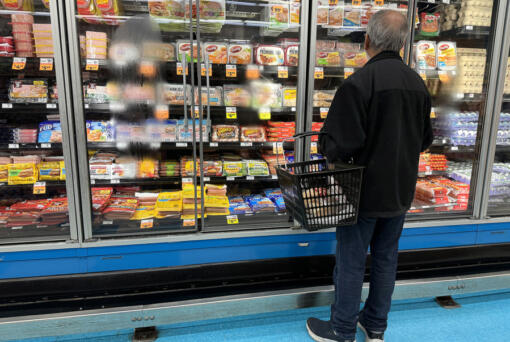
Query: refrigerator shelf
<point>28,108</point>
<point>49,184</point>
<point>133,227</point>
<point>177,180</point>
<point>189,145</point>
<point>42,146</point>
<point>248,222</point>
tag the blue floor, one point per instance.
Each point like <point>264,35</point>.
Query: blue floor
<point>481,318</point>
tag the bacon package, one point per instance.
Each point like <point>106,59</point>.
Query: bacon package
<point>22,32</point>
<point>253,134</point>
<point>216,52</point>
<point>269,55</point>
<point>240,54</point>
<point>225,133</point>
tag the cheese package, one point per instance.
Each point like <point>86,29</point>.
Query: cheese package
<point>22,173</point>
<point>216,201</point>
<point>266,94</point>
<point>269,55</point>
<point>289,96</point>
<point>426,55</point>
<point>216,52</point>
<point>143,213</point>
<point>225,133</point>
<point>292,55</point>
<point>236,95</point>
<point>446,56</point>
<point>240,54</point>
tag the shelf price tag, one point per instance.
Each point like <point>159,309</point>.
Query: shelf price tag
<point>187,180</point>
<point>283,72</point>
<point>265,114</point>
<point>196,112</point>
<point>107,223</point>
<point>469,28</point>
<point>246,143</point>
<point>45,145</point>
<point>6,105</point>
<point>181,144</point>
<point>433,113</point>
<point>318,73</point>
<point>46,64</point>
<point>230,70</point>
<point>207,179</point>
<point>180,69</point>
<point>213,144</point>
<point>13,146</point>
<point>161,112</point>
<point>446,1</point>
<point>324,112</point>
<point>230,178</point>
<point>356,2</point>
<point>39,188</point>
<point>155,145</point>
<point>379,2</point>
<point>278,147</point>
<point>147,223</point>
<point>348,72</point>
<point>252,72</point>
<point>115,181</point>
<point>19,63</point>
<point>202,70</point>
<point>92,65</point>
<point>313,147</point>
<point>455,148</point>
<point>51,105</point>
<point>333,2</point>
<point>231,112</point>
<point>232,219</point>
<point>250,177</point>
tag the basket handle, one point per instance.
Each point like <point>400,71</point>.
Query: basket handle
<point>297,136</point>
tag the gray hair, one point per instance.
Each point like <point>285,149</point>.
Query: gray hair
<point>387,30</point>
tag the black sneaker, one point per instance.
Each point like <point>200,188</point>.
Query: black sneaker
<point>371,336</point>
<point>321,331</point>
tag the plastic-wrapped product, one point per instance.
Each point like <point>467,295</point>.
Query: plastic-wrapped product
<point>323,12</point>
<point>289,96</point>
<point>124,168</point>
<point>18,5</point>
<point>257,168</point>
<point>87,8</point>
<point>253,133</point>
<point>429,24</point>
<point>22,173</point>
<point>28,91</point>
<point>240,53</point>
<point>169,168</point>
<point>236,95</point>
<point>95,93</point>
<point>426,55</point>
<point>216,189</point>
<point>96,45</point>
<point>43,40</point>
<point>446,55</point>
<point>266,94</point>
<point>148,168</point>
<point>212,167</point>
<point>159,51</point>
<point>120,208</point>
<point>216,52</point>
<point>49,171</point>
<point>260,203</point>
<point>352,16</point>
<point>323,98</point>
<point>225,133</point>
<point>336,16</point>
<point>109,9</point>
<point>234,168</point>
<point>292,55</point>
<point>215,96</point>
<point>328,58</point>
<point>325,45</point>
<point>174,93</point>
<point>100,198</point>
<point>269,55</point>
<point>184,47</point>
<point>100,131</point>
<point>278,15</point>
<point>22,33</point>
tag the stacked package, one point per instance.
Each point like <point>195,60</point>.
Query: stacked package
<point>26,213</point>
<point>471,71</point>
<point>146,205</point>
<point>6,47</point>
<point>56,212</point>
<point>191,193</point>
<point>43,40</point>
<point>503,137</point>
<point>500,182</point>
<point>100,198</point>
<point>233,166</point>
<point>169,204</point>
<point>458,128</point>
<point>460,171</point>
<point>316,127</point>
<point>280,130</point>
<point>120,208</point>
<point>432,162</point>
<point>431,193</point>
<point>275,195</point>
<point>96,45</point>
<point>22,32</point>
<point>457,190</point>
<point>469,13</point>
<point>216,200</point>
<point>169,168</point>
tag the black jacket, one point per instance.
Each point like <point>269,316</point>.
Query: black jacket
<point>380,117</point>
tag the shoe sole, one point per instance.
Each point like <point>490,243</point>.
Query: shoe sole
<point>366,334</point>
<point>318,338</point>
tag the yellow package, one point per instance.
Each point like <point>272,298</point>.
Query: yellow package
<point>147,168</point>
<point>169,196</point>
<point>190,193</point>
<point>191,206</point>
<point>109,9</point>
<point>216,201</point>
<point>62,170</point>
<point>192,217</point>
<point>218,212</point>
<point>188,168</point>
<point>49,171</point>
<point>142,213</point>
<point>24,173</point>
<point>169,206</point>
<point>4,173</point>
<point>18,5</point>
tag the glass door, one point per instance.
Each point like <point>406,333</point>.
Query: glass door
<point>250,106</point>
<point>34,135</point>
<point>452,52</point>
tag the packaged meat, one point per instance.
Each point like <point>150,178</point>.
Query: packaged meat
<point>325,45</point>
<point>352,16</point>
<point>446,56</point>
<point>323,12</point>
<point>253,133</point>
<point>328,58</point>
<point>184,47</point>
<point>109,10</point>
<point>266,94</point>
<point>292,55</point>
<point>124,168</point>
<point>426,55</point>
<point>87,9</point>
<point>120,208</point>
<point>295,15</point>
<point>323,98</point>
<point>174,93</point>
<point>429,24</point>
<point>240,54</point>
<point>28,91</point>
<point>100,198</point>
<point>355,58</point>
<point>278,15</point>
<point>4,172</point>
<point>49,171</point>
<point>336,16</point>
<point>22,33</point>
<point>236,95</point>
<point>100,131</point>
<point>216,52</point>
<point>148,168</point>
<point>281,124</point>
<point>269,55</point>
<point>49,132</point>
<point>159,51</point>
<point>289,96</point>
<point>94,93</point>
<point>43,40</point>
<point>18,5</point>
<point>225,133</point>
<point>22,173</point>
<point>257,168</point>
<point>215,96</point>
<point>46,3</point>
<point>96,45</point>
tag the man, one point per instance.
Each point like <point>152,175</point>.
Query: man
<point>380,119</point>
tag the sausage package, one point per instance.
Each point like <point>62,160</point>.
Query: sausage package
<point>100,198</point>
<point>269,55</point>
<point>87,8</point>
<point>225,133</point>
<point>49,171</point>
<point>236,95</point>
<point>240,54</point>
<point>253,133</point>
<point>328,58</point>
<point>216,52</point>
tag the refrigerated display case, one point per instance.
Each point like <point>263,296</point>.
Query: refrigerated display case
<point>185,108</point>
<point>35,188</point>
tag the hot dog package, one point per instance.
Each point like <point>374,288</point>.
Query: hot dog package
<point>253,133</point>
<point>225,133</point>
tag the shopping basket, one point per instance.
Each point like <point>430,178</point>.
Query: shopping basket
<point>318,194</point>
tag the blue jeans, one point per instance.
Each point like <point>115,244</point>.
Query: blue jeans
<point>382,235</point>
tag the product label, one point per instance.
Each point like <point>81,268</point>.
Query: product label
<point>324,112</point>
<point>232,219</point>
<point>39,188</point>
<point>202,70</point>
<point>19,63</point>
<point>318,73</point>
<point>252,72</point>
<point>231,113</point>
<point>180,69</point>
<point>92,65</point>
<point>230,70</point>
<point>265,114</point>
<point>145,224</point>
<point>148,69</point>
<point>348,72</point>
<point>46,64</point>
<point>283,72</point>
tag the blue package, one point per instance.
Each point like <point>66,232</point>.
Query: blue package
<point>49,132</point>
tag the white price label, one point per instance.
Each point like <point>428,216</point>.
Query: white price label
<point>231,178</point>
<point>232,219</point>
<point>471,96</point>
<point>460,95</point>
<point>121,145</point>
<point>274,177</point>
<point>17,227</point>
<point>7,105</point>
<point>431,1</point>
<point>249,143</point>
<point>187,180</point>
<point>13,145</point>
<point>446,1</point>
<point>455,148</point>
<point>213,144</point>
<point>115,181</point>
<point>87,106</point>
<point>250,177</point>
<point>469,28</point>
<point>51,105</point>
<point>426,207</point>
<point>324,112</point>
<point>293,109</point>
<point>107,223</point>
<point>207,179</point>
<point>181,144</point>
<point>155,145</point>
<point>92,181</point>
<point>45,145</point>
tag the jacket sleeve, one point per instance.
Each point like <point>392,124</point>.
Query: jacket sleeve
<point>344,132</point>
<point>428,135</point>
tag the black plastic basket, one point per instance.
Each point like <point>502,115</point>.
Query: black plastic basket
<point>320,195</point>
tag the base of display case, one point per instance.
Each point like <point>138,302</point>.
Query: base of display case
<point>247,222</point>
<point>34,232</point>
<point>116,228</point>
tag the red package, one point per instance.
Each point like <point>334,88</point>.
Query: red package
<point>281,124</point>
<point>100,198</point>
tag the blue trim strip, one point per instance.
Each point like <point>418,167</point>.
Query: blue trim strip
<point>115,258</point>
